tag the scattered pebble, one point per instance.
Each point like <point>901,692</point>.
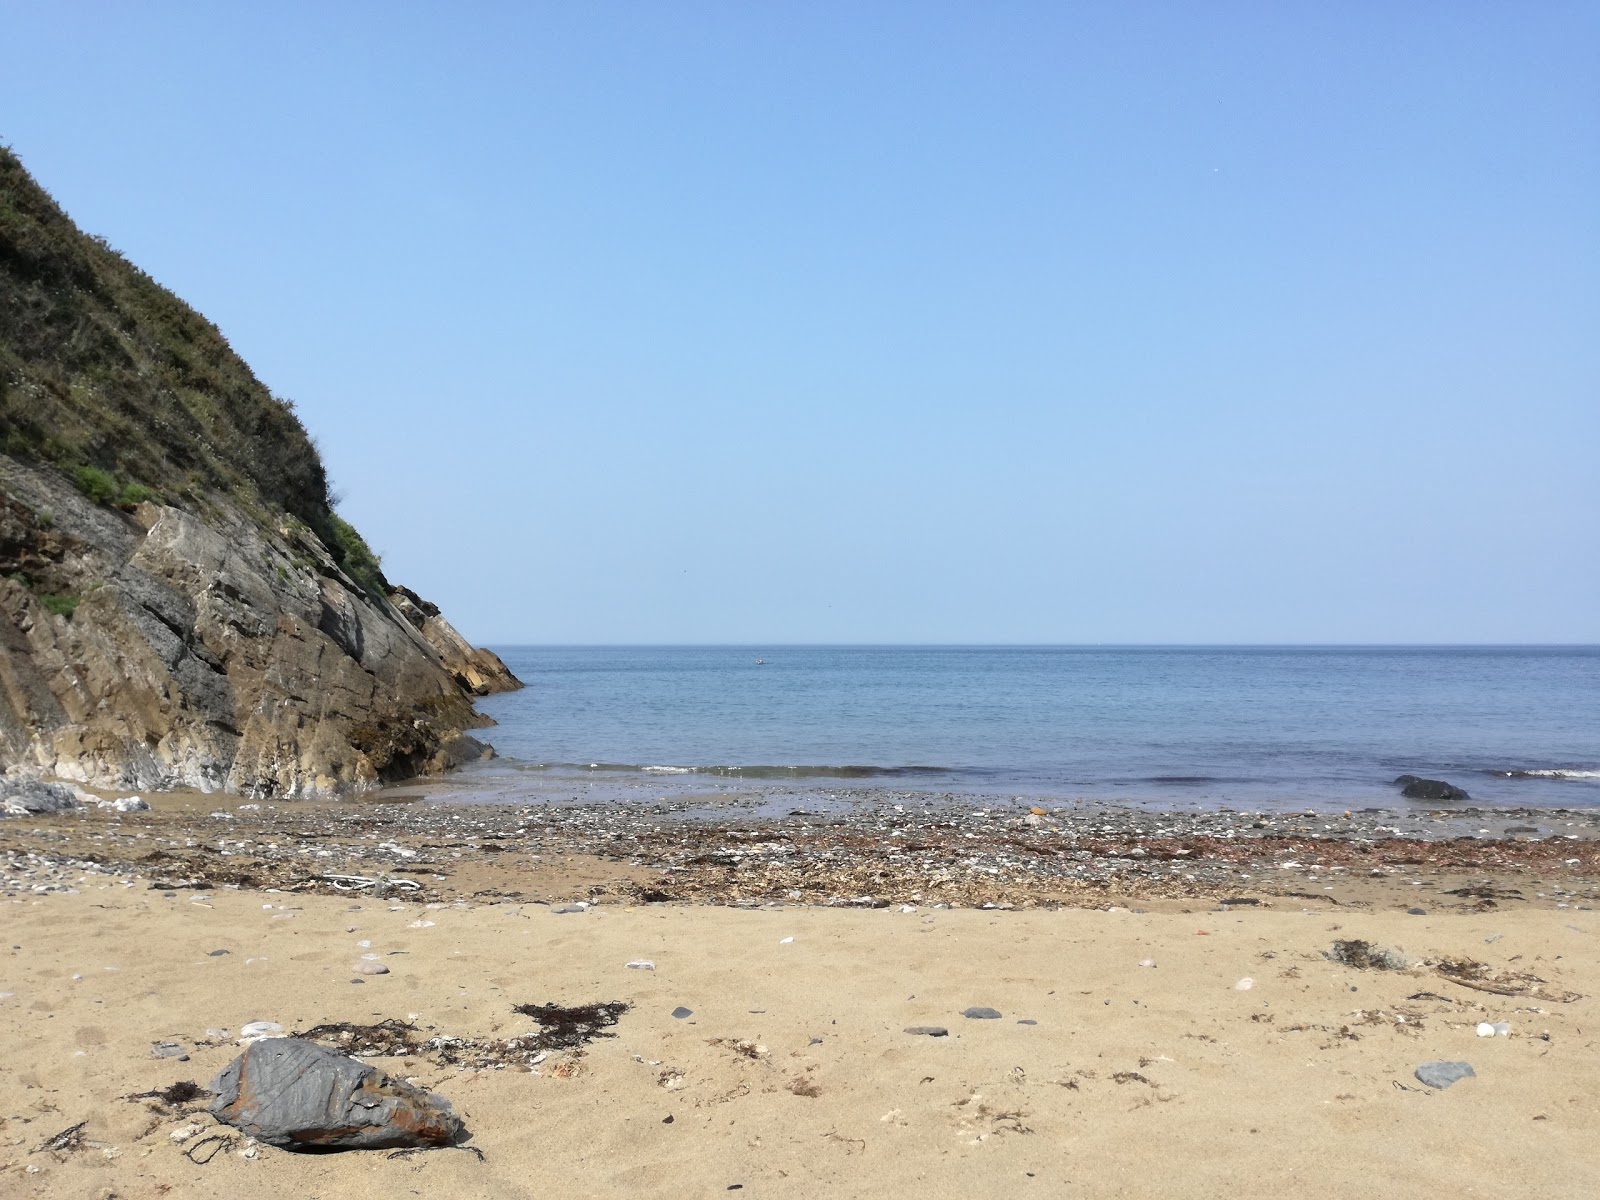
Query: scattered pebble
<point>367,967</point>
<point>217,953</point>
<point>642,964</point>
<point>681,1012</point>
<point>928,1030</point>
<point>1244,985</point>
<point>979,1013</point>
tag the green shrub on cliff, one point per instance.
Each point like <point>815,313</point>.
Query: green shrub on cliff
<point>61,605</point>
<point>111,379</point>
<point>103,367</point>
<point>96,484</point>
<point>357,558</point>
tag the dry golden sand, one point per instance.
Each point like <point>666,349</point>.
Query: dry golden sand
<point>1136,1081</point>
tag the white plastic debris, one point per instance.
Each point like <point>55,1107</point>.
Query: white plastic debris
<point>786,941</point>
<point>642,964</point>
<point>254,1031</point>
<point>1244,985</point>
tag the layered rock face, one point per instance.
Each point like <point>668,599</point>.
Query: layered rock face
<point>179,606</point>
<point>213,653</point>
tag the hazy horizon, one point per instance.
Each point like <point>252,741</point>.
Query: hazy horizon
<point>914,324</point>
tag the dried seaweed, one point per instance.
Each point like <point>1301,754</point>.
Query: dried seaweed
<point>569,1027</point>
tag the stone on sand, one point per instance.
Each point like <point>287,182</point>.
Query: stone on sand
<point>294,1093</point>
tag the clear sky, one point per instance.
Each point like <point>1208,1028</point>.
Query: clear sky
<point>890,322</point>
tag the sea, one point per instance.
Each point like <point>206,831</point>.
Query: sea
<point>1250,727</point>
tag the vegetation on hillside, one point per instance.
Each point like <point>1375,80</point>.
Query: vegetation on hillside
<point>113,380</point>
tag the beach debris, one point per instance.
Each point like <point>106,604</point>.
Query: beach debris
<point>571,908</point>
<point>1491,1028</point>
<point>168,1050</point>
<point>1443,1074</point>
<point>1480,977</point>
<point>641,964</point>
<point>181,1092</point>
<point>566,1027</point>
<point>295,1093</point>
<point>928,1030</point>
<point>68,1140</point>
<point>1414,787</point>
<point>184,1133</point>
<point>386,1039</point>
<point>254,1031</point>
<point>1244,985</point>
<point>378,883</point>
<point>207,1148</point>
<point>681,1012</point>
<point>126,804</point>
<point>367,967</point>
<point>1363,955</point>
<point>980,1013</point>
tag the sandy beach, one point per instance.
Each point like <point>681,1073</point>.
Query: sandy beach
<point>1241,1061</point>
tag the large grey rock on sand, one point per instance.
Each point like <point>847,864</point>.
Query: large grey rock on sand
<point>297,1094</point>
<point>19,797</point>
<point>1413,787</point>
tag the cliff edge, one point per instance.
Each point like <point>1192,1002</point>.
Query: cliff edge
<point>179,603</point>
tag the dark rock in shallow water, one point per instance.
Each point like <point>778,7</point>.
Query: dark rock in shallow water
<point>1443,1074</point>
<point>1413,787</point>
<point>297,1094</point>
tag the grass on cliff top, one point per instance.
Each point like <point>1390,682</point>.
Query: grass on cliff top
<point>116,382</point>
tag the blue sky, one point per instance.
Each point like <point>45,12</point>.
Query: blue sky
<point>890,322</point>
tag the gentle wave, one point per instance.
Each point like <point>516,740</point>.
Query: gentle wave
<point>1551,773</point>
<point>755,771</point>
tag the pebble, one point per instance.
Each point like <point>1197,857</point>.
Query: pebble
<point>681,1012</point>
<point>217,953</point>
<point>571,908</point>
<point>1147,962</point>
<point>1443,1074</point>
<point>366,967</point>
<point>167,1050</point>
<point>1027,1021</point>
<point>928,1030</point>
<point>1417,912</point>
<point>1244,985</point>
<point>979,1013</point>
<point>642,964</point>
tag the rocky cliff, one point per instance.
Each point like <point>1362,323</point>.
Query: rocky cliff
<point>179,604</point>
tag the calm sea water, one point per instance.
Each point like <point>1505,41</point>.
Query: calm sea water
<point>1185,725</point>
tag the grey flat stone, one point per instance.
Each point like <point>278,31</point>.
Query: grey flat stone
<point>928,1030</point>
<point>979,1013</point>
<point>1443,1074</point>
<point>1027,1021</point>
<point>681,1012</point>
<point>289,1092</point>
